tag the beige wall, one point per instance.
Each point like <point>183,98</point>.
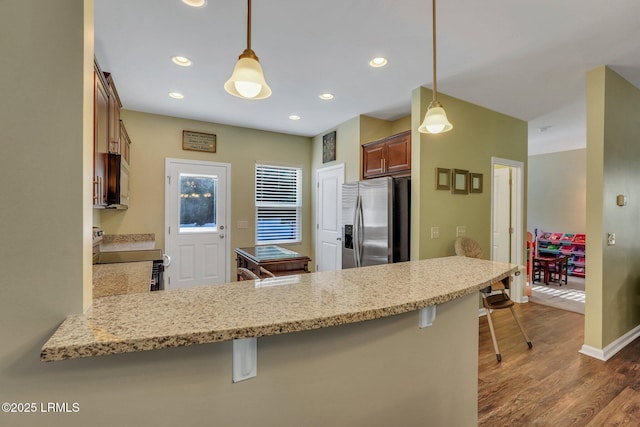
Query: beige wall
<point>321,376</point>
<point>557,192</point>
<point>478,135</point>
<point>613,154</point>
<point>155,138</point>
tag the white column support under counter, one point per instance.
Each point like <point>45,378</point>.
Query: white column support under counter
<point>245,359</point>
<point>426,316</point>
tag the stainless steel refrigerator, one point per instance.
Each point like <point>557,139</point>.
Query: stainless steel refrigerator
<point>375,221</point>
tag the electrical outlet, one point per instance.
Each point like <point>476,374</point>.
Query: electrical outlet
<point>461,230</point>
<point>611,239</point>
<point>435,232</point>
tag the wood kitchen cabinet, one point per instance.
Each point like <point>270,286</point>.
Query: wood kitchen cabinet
<point>390,156</point>
<point>100,136</point>
<point>114,115</point>
<point>109,137</point>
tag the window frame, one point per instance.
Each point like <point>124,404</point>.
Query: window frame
<point>292,208</point>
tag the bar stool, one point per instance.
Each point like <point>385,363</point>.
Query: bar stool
<point>465,246</point>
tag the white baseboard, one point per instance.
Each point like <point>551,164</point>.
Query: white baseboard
<point>610,350</point>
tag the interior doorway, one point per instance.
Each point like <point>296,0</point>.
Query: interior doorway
<point>507,219</point>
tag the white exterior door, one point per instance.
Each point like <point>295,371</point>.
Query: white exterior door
<point>196,231</point>
<point>328,210</point>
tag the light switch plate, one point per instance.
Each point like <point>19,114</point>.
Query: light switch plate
<point>242,224</point>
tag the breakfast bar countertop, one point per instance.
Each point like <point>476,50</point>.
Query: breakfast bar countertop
<point>204,314</point>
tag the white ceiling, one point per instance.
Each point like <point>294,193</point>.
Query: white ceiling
<point>525,58</point>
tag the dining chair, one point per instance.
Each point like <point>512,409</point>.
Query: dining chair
<point>495,296</point>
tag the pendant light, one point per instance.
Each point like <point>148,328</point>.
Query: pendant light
<point>247,80</point>
<point>435,121</point>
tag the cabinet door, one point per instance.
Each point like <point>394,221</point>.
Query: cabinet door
<point>125,144</point>
<point>373,158</point>
<point>100,140</point>
<point>114,120</point>
<point>399,154</point>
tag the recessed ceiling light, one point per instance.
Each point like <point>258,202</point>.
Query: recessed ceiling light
<point>195,3</point>
<point>176,95</point>
<point>378,62</point>
<point>294,117</point>
<point>182,61</point>
<point>325,96</point>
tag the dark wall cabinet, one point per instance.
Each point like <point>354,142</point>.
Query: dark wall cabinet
<point>109,136</point>
<point>390,156</point>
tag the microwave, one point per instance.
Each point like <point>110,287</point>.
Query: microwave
<point>117,182</point>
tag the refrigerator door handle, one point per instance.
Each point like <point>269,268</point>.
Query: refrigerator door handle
<point>356,232</point>
<point>360,233</point>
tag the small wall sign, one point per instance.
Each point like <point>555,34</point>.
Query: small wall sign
<point>198,141</point>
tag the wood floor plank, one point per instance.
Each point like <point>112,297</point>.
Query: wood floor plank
<point>624,410</point>
<point>553,384</point>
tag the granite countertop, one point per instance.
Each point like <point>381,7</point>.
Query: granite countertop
<point>204,314</point>
<point>121,278</point>
<point>127,242</point>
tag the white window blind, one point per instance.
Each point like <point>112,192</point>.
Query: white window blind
<point>278,204</point>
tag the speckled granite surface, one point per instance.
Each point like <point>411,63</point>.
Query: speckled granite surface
<point>121,278</point>
<point>139,322</point>
<point>127,242</point>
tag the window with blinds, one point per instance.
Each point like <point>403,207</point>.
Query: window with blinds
<point>278,204</point>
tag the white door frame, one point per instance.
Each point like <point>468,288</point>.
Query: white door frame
<point>318,202</point>
<point>227,201</point>
<point>517,217</point>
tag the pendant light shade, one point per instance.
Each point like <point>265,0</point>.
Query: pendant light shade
<point>247,80</point>
<point>435,121</point>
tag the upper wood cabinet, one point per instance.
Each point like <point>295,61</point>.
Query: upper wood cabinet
<point>114,115</point>
<point>109,138</point>
<point>100,136</point>
<point>390,156</point>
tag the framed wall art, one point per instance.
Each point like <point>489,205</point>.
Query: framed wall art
<point>329,147</point>
<point>475,183</point>
<point>460,182</point>
<point>443,179</point>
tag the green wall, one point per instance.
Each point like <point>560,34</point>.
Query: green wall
<point>557,192</point>
<point>155,138</point>
<point>478,135</point>
<point>613,153</point>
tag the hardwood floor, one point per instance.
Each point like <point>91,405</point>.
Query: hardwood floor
<point>552,384</point>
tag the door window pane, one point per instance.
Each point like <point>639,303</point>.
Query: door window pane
<point>198,203</point>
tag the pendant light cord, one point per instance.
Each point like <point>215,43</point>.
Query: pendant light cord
<point>435,80</point>
<point>249,25</point>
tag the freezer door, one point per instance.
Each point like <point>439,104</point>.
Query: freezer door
<point>375,232</point>
<point>349,202</point>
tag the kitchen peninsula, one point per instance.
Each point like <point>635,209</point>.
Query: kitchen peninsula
<point>438,362</point>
